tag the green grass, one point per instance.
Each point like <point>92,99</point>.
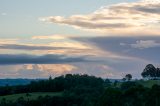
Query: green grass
<point>149,83</point>
<point>32,96</point>
<point>145,83</point>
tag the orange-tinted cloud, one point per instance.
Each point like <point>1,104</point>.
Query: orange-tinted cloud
<point>136,18</point>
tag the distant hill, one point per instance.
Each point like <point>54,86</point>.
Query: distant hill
<point>12,82</point>
<point>20,81</point>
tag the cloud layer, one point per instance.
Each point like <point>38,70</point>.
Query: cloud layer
<point>8,59</point>
<point>124,18</point>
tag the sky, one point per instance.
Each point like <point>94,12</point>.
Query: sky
<point>104,38</point>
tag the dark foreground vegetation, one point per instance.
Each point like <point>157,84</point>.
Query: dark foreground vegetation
<point>82,90</point>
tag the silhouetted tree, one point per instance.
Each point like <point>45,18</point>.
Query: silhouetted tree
<point>50,77</point>
<point>150,72</point>
<point>158,72</point>
<point>128,77</point>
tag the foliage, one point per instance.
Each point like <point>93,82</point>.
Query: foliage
<point>81,90</point>
<point>151,72</point>
<point>57,84</point>
<point>133,96</point>
<point>128,77</point>
<point>78,90</point>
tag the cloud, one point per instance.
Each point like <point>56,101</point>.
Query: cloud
<point>36,70</point>
<point>31,71</point>
<point>121,49</point>
<point>84,23</point>
<point>142,44</point>
<point>110,60</point>
<point>44,70</point>
<point>53,37</point>
<point>8,41</point>
<point>52,46</point>
<point>139,18</point>
<point>29,47</point>
<point>64,47</point>
<point>9,59</point>
<point>151,1</point>
<point>50,43</point>
<point>97,69</point>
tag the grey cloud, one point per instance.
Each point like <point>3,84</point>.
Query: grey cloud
<point>136,8</point>
<point>90,25</point>
<point>143,44</point>
<point>123,46</point>
<point>100,17</point>
<point>9,59</point>
<point>28,47</point>
<point>150,8</point>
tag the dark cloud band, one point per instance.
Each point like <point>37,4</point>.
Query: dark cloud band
<point>8,59</point>
<point>28,47</point>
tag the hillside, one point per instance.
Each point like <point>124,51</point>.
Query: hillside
<point>148,83</point>
<point>145,83</point>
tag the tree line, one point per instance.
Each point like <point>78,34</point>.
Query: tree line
<point>85,90</point>
<point>128,94</point>
<point>58,84</point>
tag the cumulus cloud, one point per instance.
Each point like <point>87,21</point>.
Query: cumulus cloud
<point>44,70</point>
<point>122,18</point>
<point>8,59</point>
<point>35,70</point>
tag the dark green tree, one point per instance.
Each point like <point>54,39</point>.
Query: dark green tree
<point>149,72</point>
<point>128,77</point>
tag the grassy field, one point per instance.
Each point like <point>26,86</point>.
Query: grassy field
<point>145,83</point>
<point>149,83</point>
<point>30,96</point>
